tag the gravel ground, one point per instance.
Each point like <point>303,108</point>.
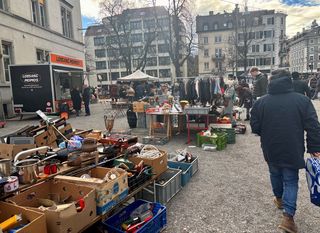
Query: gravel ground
<point>230,193</point>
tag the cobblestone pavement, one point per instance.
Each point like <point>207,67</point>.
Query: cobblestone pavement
<point>231,193</point>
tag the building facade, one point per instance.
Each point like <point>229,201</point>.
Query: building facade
<point>103,56</point>
<point>304,50</point>
<point>233,42</point>
<point>30,30</point>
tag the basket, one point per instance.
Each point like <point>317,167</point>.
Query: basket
<point>221,141</point>
<point>194,162</point>
<point>231,134</point>
<point>186,170</point>
<point>136,181</point>
<point>155,225</point>
<point>201,139</point>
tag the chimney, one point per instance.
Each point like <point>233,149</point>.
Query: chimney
<point>210,12</point>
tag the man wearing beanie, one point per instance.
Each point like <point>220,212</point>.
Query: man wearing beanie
<point>281,118</point>
<point>300,86</point>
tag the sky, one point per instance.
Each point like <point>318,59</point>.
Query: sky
<point>300,12</point>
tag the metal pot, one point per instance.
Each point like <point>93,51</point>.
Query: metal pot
<point>28,169</point>
<point>5,167</point>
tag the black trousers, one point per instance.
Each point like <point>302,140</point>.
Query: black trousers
<point>86,105</point>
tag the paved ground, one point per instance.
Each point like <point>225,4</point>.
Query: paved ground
<point>230,193</point>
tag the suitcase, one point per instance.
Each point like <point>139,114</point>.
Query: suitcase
<point>313,179</point>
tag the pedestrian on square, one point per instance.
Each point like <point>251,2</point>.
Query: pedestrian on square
<point>130,93</point>
<point>280,119</point>
<point>245,97</point>
<point>260,83</point>
<point>317,89</point>
<point>76,100</point>
<point>86,96</point>
<point>300,86</point>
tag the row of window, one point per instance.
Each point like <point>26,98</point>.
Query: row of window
<point>152,61</point>
<point>314,41</point>
<point>136,51</point>
<point>218,66</point>
<point>135,38</point>
<point>148,23</point>
<point>312,58</point>
<point>265,48</point>
<point>218,52</point>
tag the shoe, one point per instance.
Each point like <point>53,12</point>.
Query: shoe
<point>287,224</point>
<point>278,203</point>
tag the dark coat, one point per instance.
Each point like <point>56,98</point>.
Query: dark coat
<point>280,118</point>
<point>301,87</point>
<point>76,99</point>
<point>260,84</point>
<point>86,95</point>
<point>245,97</point>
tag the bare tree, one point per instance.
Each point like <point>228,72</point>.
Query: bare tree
<point>121,37</point>
<point>180,35</point>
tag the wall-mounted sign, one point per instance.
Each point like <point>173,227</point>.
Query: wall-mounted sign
<point>67,61</point>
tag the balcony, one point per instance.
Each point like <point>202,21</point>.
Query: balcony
<point>218,57</point>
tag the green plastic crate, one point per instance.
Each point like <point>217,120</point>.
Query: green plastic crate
<point>231,134</point>
<point>205,140</point>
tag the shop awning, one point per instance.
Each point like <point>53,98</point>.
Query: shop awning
<point>138,76</point>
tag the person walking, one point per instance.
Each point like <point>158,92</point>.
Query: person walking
<point>280,119</point>
<point>76,100</point>
<point>260,83</point>
<point>300,86</point>
<point>245,99</point>
<point>86,95</point>
<point>317,89</point>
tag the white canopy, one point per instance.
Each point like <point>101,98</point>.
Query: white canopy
<point>138,76</point>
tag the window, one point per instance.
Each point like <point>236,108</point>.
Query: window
<point>114,64</point>
<point>136,37</point>
<point>136,50</point>
<point>3,5</point>
<point>267,34</point>
<point>165,73</point>
<point>134,25</point>
<point>206,53</point>
<point>152,61</point>
<point>164,35</point>
<point>311,49</point>
<point>149,23</point>
<point>205,40</point>
<point>270,21</point>
<point>101,65</point>
<point>42,56</point>
<point>215,26</point>
<point>163,22</point>
<point>311,41</point>
<point>319,57</point>
<point>218,39</point>
<point>152,49</point>
<point>251,62</point>
<point>311,57</point>
<point>256,21</point>
<point>66,19</point>
<point>268,47</point>
<point>230,25</point>
<point>218,52</point>
<point>282,20</point>
<point>252,35</point>
<point>100,52</point>
<point>38,12</point>
<point>149,36</point>
<point>115,75</point>
<point>102,77</point>
<point>124,73</point>
<point>205,27</point>
<point>164,61</point>
<point>206,66</point>
<point>255,48</point>
<point>163,48</point>
<point>98,41</point>
<point>259,35</point>
<point>112,53</point>
<point>7,58</point>
<point>153,73</point>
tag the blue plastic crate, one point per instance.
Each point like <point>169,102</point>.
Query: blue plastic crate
<point>155,225</point>
<point>186,170</point>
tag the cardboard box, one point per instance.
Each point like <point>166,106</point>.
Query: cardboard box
<point>108,194</point>
<point>9,151</point>
<point>159,165</point>
<point>65,218</point>
<point>139,106</point>
<point>36,221</point>
<point>65,130</point>
<point>45,138</point>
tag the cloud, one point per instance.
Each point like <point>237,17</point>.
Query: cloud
<point>300,12</point>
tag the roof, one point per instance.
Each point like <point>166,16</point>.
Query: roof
<point>138,76</point>
<point>96,30</point>
<point>306,34</point>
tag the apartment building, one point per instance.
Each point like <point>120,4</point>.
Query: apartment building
<point>103,56</point>
<point>32,29</point>
<point>304,50</point>
<point>224,38</point>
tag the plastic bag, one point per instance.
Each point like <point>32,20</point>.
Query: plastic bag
<point>313,179</point>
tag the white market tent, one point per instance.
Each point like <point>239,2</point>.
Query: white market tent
<point>138,76</point>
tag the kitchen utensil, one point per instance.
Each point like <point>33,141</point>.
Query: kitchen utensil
<point>5,167</point>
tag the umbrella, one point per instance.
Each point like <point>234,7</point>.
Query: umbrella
<point>138,76</point>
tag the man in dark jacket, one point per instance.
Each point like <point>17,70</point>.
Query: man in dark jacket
<point>86,95</point>
<point>280,119</point>
<point>76,100</point>
<point>317,89</point>
<point>300,86</point>
<point>260,83</point>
